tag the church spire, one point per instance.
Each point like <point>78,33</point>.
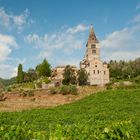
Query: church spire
<point>92,37</point>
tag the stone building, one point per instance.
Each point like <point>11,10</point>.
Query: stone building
<point>98,72</point>
<point>59,70</point>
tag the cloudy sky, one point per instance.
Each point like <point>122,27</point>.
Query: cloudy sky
<point>31,30</point>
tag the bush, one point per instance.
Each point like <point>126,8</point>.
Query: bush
<point>137,79</point>
<point>46,80</point>
<point>2,97</point>
<point>64,90</point>
<point>38,84</point>
<point>109,85</point>
<point>8,89</point>
<point>28,93</point>
<point>53,90</point>
<point>71,89</point>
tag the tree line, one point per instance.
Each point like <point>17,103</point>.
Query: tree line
<point>43,69</point>
<point>118,70</point>
<point>124,69</point>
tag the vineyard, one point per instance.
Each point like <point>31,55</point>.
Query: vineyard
<point>111,114</point>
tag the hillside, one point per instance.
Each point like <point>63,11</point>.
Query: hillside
<point>108,114</point>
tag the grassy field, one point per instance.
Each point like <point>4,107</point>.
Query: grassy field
<point>112,114</point>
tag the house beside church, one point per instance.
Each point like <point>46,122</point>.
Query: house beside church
<point>98,71</point>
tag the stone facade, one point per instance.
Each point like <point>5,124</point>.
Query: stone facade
<point>59,70</point>
<point>98,72</point>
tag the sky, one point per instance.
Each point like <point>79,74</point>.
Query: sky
<point>31,30</point>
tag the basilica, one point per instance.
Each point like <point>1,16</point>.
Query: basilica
<point>98,72</point>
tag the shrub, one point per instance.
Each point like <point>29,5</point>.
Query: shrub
<point>28,93</point>
<point>8,89</point>
<point>46,80</point>
<point>2,97</point>
<point>71,89</point>
<point>64,90</point>
<point>53,90</point>
<point>109,86</point>
<point>137,79</point>
<point>38,84</point>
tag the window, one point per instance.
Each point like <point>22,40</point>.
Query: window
<point>94,51</point>
<point>93,46</point>
<point>94,71</point>
<point>104,72</point>
<point>95,66</point>
<point>98,71</point>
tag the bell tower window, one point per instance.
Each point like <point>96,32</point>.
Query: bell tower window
<point>93,46</point>
<point>93,51</point>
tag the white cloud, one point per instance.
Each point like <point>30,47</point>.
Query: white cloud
<point>123,44</point>
<point>4,17</point>
<point>7,43</point>
<point>7,71</point>
<point>78,28</point>
<point>4,52</point>
<point>136,19</point>
<point>11,20</point>
<point>67,40</point>
<point>21,20</point>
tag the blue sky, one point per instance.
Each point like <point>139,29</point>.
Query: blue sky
<point>31,30</point>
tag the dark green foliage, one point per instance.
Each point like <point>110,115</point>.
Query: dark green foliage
<point>20,74</point>
<point>137,79</point>
<point>124,69</point>
<point>69,76</point>
<point>54,90</point>
<point>65,90</point>
<point>112,114</point>
<point>7,82</point>
<point>44,69</point>
<point>30,75</point>
<point>68,89</point>
<point>82,77</point>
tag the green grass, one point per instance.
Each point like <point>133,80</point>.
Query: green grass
<point>95,112</point>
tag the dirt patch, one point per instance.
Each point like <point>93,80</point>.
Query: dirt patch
<point>42,99</point>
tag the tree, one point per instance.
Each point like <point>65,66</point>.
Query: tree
<point>82,77</point>
<point>30,75</point>
<point>44,69</point>
<point>20,74</point>
<point>69,76</point>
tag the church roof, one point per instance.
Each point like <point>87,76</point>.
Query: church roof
<point>92,37</point>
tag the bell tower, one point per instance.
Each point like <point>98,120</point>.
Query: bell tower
<point>93,48</point>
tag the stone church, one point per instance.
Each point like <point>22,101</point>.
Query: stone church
<point>98,72</point>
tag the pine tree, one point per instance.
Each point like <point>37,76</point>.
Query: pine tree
<point>44,69</point>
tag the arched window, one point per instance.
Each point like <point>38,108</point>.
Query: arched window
<point>93,46</point>
<point>93,51</point>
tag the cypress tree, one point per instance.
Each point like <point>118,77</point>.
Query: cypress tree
<point>20,74</point>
